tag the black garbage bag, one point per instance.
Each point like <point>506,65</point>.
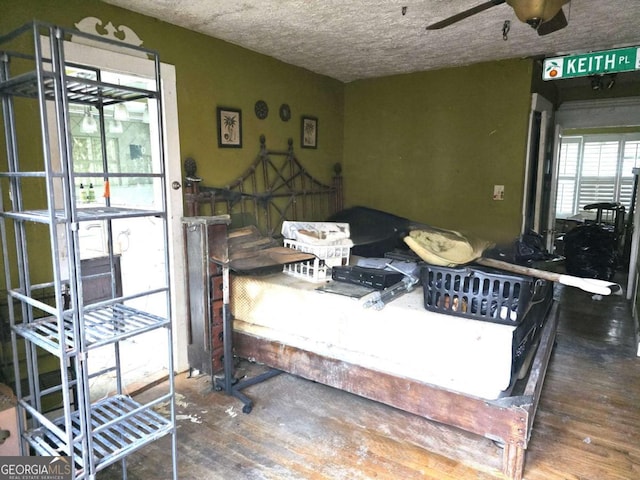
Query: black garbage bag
<point>591,251</point>
<point>530,248</point>
<point>525,250</point>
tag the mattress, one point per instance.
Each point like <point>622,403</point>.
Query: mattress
<point>403,339</point>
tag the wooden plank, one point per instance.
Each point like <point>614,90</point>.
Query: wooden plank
<point>541,361</point>
<point>513,461</point>
<point>252,248</point>
<point>476,415</point>
<point>514,454</point>
<point>268,257</point>
<point>243,232</point>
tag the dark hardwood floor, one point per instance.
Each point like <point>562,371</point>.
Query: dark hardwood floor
<point>587,426</point>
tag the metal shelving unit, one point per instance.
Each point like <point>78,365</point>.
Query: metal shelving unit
<point>39,206</point>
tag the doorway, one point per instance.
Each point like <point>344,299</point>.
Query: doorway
<point>601,128</point>
<point>617,113</point>
<point>132,136</point>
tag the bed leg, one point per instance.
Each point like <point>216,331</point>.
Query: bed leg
<point>513,461</point>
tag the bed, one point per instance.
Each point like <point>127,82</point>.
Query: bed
<point>444,368</point>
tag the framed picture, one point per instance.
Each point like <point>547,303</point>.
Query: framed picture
<point>309,132</point>
<point>229,127</point>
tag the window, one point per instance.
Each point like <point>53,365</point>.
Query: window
<point>596,168</point>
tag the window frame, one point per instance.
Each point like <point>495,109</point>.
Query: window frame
<point>621,180</point>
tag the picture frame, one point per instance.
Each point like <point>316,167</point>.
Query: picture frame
<point>309,132</point>
<point>229,127</point>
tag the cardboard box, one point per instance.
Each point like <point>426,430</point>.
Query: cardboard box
<point>10,446</point>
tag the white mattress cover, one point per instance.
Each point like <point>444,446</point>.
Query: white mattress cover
<point>404,339</point>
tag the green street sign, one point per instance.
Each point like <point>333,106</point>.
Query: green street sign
<point>595,63</point>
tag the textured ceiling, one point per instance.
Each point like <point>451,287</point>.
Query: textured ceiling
<point>356,39</point>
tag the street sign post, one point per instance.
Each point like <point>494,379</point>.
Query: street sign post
<point>594,63</point>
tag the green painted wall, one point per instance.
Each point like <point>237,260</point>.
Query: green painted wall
<point>431,145</point>
<point>212,72</point>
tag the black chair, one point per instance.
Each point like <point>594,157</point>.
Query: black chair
<point>610,214</point>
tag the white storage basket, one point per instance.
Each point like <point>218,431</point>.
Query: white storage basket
<point>318,269</point>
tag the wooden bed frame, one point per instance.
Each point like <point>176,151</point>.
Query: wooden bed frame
<point>508,421</point>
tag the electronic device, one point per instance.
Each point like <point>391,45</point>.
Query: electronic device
<point>377,278</point>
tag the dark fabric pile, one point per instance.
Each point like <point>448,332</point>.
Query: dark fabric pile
<point>591,251</point>
<point>530,248</point>
<point>373,232</point>
<point>526,250</point>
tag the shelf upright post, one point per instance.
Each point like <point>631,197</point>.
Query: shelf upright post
<point>76,360</point>
<point>8,113</point>
<point>164,205</point>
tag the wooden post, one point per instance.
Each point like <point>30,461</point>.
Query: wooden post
<point>513,461</point>
<point>192,192</point>
<point>337,185</point>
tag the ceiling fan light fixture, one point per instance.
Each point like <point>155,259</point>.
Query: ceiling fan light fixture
<point>534,22</point>
<point>535,12</point>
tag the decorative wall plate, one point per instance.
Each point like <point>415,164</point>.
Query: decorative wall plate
<point>262,110</point>
<point>285,112</point>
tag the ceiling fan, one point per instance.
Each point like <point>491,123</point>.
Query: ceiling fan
<point>545,16</point>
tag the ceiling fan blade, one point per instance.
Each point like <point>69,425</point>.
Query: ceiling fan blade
<point>466,14</point>
<point>554,24</point>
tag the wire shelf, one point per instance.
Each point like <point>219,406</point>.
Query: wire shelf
<point>83,214</point>
<point>119,425</point>
<point>79,90</point>
<point>94,434</point>
<point>102,326</point>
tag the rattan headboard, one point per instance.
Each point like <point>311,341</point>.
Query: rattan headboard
<point>275,188</point>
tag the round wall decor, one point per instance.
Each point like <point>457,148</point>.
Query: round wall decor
<point>261,109</point>
<point>285,112</point>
